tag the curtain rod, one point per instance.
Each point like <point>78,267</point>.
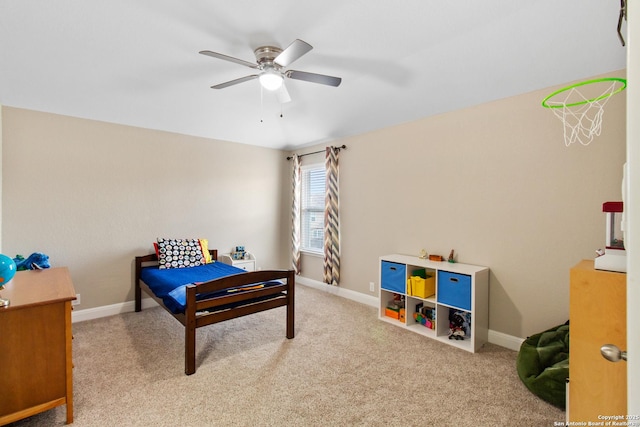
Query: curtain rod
<point>342,147</point>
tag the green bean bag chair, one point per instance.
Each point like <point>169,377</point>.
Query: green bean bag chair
<point>543,364</point>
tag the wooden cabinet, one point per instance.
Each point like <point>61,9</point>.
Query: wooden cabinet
<point>35,344</point>
<point>597,314</point>
<point>450,291</point>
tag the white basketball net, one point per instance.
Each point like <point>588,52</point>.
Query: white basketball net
<point>581,122</point>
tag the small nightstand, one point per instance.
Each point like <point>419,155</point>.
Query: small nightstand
<point>248,263</point>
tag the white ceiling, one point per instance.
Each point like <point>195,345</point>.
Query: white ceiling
<point>136,62</point>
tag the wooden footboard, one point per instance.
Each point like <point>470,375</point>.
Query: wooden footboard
<point>207,311</point>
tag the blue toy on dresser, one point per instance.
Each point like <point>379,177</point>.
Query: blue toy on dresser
<point>35,261</point>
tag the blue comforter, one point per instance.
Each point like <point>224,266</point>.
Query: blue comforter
<point>170,284</point>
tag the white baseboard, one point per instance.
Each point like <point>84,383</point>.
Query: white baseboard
<point>109,310</point>
<point>495,337</point>
<point>337,290</point>
<point>504,340</point>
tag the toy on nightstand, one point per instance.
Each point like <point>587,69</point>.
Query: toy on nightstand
<point>239,253</point>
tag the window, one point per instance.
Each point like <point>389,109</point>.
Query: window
<point>312,208</point>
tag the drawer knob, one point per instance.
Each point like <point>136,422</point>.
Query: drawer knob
<point>612,353</point>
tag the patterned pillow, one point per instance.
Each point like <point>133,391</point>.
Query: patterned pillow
<point>179,253</point>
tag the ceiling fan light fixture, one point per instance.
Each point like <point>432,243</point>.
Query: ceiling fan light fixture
<point>271,80</point>
<point>271,63</point>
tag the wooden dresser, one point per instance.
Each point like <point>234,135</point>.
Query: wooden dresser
<point>598,316</point>
<point>35,344</point>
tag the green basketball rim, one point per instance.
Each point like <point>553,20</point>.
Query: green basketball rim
<point>588,101</point>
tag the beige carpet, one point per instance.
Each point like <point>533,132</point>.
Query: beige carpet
<point>343,368</point>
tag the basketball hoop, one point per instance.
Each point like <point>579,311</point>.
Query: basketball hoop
<point>581,106</point>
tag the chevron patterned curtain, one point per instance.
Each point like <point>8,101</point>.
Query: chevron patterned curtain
<point>331,219</point>
<point>295,215</point>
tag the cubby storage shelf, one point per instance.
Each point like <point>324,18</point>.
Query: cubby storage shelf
<point>461,291</point>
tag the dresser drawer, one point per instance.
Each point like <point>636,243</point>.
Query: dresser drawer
<point>454,289</point>
<point>393,277</point>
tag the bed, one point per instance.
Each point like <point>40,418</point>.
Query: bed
<point>212,293</point>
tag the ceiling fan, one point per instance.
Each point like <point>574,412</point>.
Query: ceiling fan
<point>271,62</point>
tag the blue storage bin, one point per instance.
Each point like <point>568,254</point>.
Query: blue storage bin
<point>454,289</point>
<point>393,277</point>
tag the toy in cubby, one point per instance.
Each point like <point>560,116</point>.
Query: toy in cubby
<point>459,324</point>
<point>425,315</point>
<point>395,308</point>
<point>421,284</point>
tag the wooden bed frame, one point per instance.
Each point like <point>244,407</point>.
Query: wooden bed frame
<point>202,312</point>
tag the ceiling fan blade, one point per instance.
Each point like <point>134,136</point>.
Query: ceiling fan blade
<point>283,95</point>
<point>314,78</point>
<point>293,52</point>
<point>229,58</point>
<point>235,82</point>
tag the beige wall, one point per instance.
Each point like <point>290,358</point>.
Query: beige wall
<point>494,182</point>
<point>93,195</point>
